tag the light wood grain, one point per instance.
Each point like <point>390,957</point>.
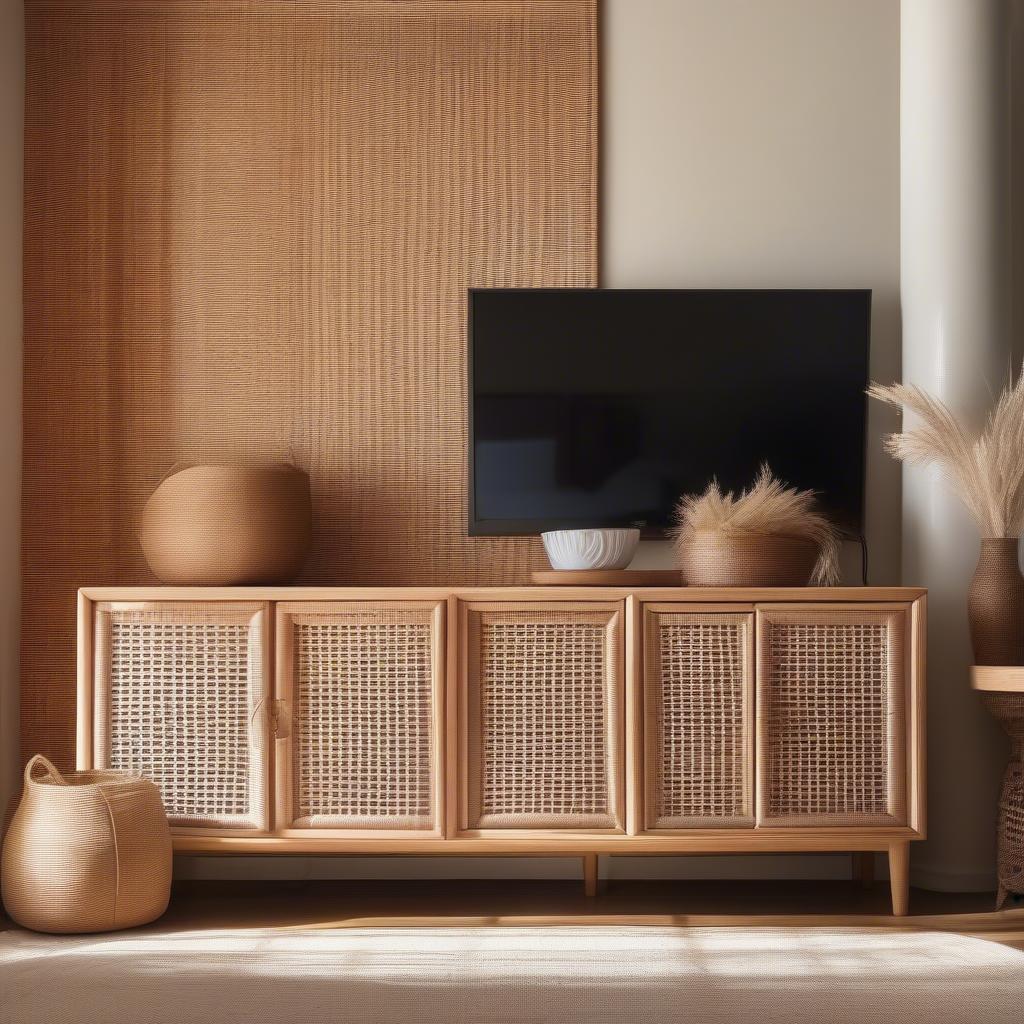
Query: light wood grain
<point>998,678</point>
<point>657,617</point>
<point>917,748</point>
<point>899,878</point>
<point>691,595</point>
<point>453,634</point>
<point>772,723</point>
<point>475,618</point>
<point>84,677</point>
<point>607,577</point>
<point>456,616</point>
<point>249,735</point>
<point>634,714</point>
<point>292,615</point>
<point>539,842</point>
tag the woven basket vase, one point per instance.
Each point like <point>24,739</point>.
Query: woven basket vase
<point>995,604</point>
<point>86,852</point>
<point>228,525</point>
<point>710,559</point>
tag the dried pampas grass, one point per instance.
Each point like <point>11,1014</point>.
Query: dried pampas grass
<point>767,508</point>
<point>985,471</point>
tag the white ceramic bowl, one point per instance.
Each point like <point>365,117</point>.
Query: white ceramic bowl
<point>590,549</point>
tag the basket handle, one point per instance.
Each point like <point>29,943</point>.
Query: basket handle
<point>39,761</point>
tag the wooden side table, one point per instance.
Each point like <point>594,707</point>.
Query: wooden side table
<point>1002,691</point>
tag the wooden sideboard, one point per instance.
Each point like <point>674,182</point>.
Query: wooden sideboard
<point>524,720</point>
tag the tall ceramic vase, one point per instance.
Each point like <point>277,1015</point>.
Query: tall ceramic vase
<point>995,604</point>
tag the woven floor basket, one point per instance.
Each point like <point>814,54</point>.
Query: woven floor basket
<point>86,852</point>
<point>711,559</point>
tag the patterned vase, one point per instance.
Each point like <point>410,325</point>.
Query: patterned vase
<point>995,604</point>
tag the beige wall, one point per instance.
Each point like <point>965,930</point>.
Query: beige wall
<point>756,144</point>
<point>12,63</point>
<point>752,143</point>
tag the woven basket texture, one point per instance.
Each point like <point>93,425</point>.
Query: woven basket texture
<point>249,231</point>
<point>697,692</point>
<point>543,699</point>
<point>995,604</point>
<point>87,852</point>
<point>1008,709</point>
<point>830,717</point>
<point>228,525</point>
<point>721,560</point>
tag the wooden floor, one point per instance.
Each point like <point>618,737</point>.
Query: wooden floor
<point>410,904</point>
<point>352,903</point>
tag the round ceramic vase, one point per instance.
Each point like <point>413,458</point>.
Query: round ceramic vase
<point>228,525</point>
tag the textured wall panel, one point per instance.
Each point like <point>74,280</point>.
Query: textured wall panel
<point>249,233</point>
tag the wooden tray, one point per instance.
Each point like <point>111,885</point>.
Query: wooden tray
<point>608,577</point>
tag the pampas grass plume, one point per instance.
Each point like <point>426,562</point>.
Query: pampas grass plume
<point>985,470</point>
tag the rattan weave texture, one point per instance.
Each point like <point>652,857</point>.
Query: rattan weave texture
<point>698,690</point>
<point>178,695</point>
<point>545,714</point>
<point>363,703</point>
<point>249,230</point>
<point>830,717</point>
<point>1008,710</point>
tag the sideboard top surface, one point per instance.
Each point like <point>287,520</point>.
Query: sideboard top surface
<point>506,593</point>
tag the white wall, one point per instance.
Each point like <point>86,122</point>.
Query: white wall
<point>12,65</point>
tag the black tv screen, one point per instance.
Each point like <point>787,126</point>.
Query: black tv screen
<point>600,407</point>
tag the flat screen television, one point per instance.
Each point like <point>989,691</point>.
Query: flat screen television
<point>600,407</point>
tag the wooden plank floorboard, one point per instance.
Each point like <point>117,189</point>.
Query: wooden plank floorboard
<point>360,903</point>
<point>352,903</point>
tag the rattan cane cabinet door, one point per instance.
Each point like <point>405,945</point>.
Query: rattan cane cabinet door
<point>698,714</point>
<point>180,693</point>
<point>361,687</point>
<point>540,713</point>
<point>832,689</point>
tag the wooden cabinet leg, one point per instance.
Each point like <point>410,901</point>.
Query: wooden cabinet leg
<point>864,868</point>
<point>590,863</point>
<point>899,878</point>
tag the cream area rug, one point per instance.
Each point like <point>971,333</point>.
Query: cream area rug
<point>483,975</point>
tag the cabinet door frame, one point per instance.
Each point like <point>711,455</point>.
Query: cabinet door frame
<point>94,704</point>
<point>903,726</point>
<point>646,702</point>
<point>464,698</point>
<point>286,614</point>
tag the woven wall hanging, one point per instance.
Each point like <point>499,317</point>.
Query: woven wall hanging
<point>249,234</point>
